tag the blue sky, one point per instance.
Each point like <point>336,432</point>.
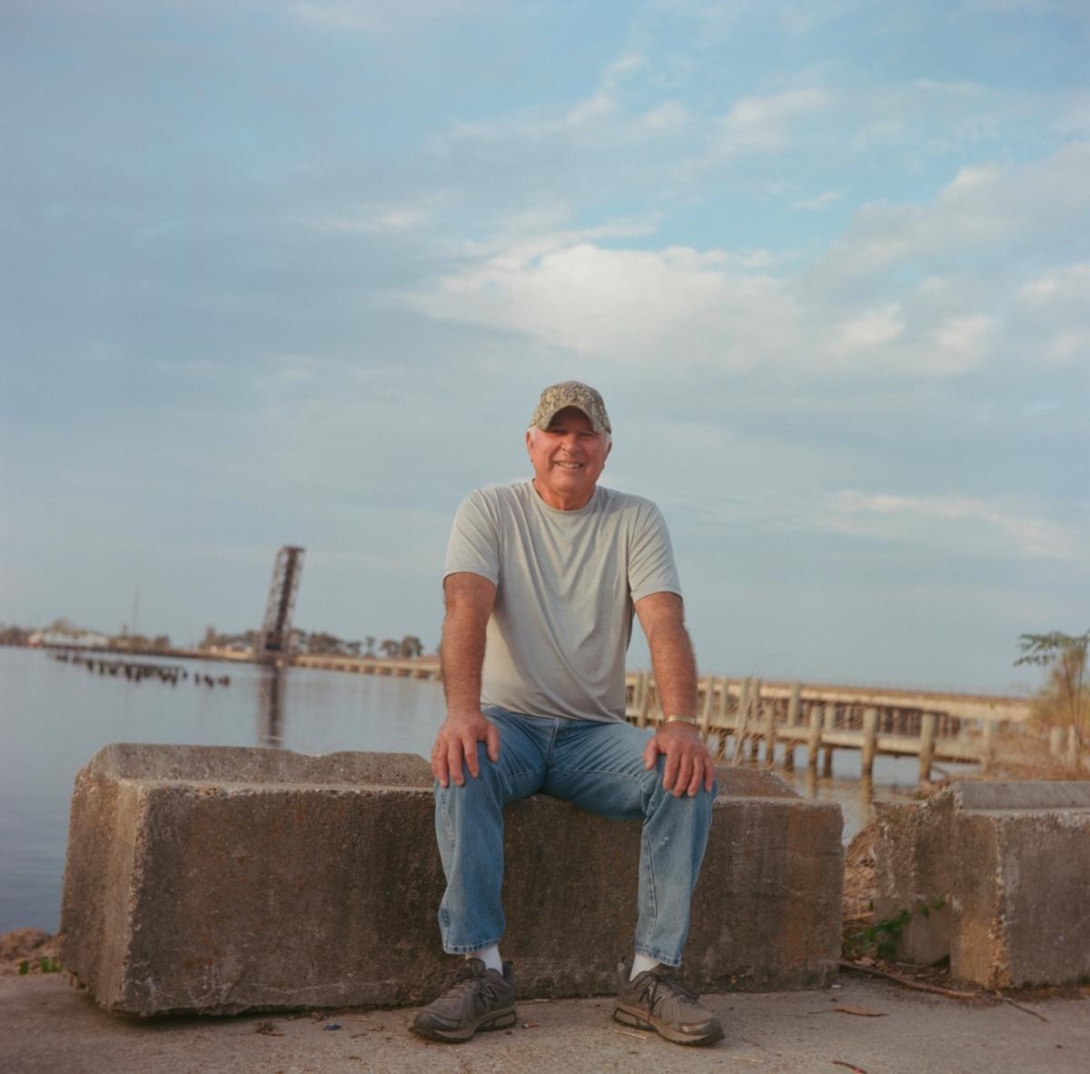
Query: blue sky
<point>296,272</point>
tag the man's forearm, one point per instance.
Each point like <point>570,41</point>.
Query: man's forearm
<point>674,664</point>
<point>662,616</point>
<point>469,601</point>
<point>461,658</point>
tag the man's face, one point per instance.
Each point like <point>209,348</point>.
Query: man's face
<point>568,458</point>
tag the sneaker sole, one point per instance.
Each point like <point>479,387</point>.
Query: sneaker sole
<point>637,1019</point>
<point>499,1020</point>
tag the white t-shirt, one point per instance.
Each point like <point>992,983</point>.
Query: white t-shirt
<point>566,584</point>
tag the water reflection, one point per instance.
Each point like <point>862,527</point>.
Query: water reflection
<point>54,717</point>
<point>270,705</point>
<point>838,778</point>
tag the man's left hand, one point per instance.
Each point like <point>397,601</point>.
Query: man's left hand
<point>688,762</point>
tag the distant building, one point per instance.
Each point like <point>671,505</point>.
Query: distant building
<point>75,639</point>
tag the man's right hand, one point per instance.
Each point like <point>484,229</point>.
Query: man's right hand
<point>456,744</point>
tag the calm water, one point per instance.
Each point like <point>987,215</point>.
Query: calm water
<point>55,716</point>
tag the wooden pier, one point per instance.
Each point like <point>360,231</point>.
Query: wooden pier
<point>361,665</point>
<point>763,716</point>
<point>748,719</point>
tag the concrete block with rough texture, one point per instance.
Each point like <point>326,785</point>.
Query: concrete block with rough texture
<point>217,880</point>
<point>995,876</point>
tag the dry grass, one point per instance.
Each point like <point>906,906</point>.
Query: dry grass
<point>28,951</point>
<point>859,889</point>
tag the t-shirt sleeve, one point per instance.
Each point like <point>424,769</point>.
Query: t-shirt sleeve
<point>651,566</point>
<point>474,541</point>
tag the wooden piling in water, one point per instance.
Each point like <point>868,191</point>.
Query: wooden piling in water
<point>928,726</point>
<point>829,727</point>
<point>870,740</point>
<point>794,711</point>
<point>817,720</point>
<point>769,722</point>
<point>646,698</point>
<point>754,719</point>
<point>988,746</point>
<point>709,704</point>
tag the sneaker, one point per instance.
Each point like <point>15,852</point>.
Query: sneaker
<point>476,998</point>
<point>657,1000</point>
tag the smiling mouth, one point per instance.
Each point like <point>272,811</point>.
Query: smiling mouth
<point>569,465</point>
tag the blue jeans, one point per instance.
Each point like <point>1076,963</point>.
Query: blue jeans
<point>598,767</point>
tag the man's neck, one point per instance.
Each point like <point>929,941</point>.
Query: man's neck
<point>561,503</point>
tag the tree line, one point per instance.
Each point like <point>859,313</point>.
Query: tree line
<point>317,643</point>
<point>323,643</point>
<point>1063,701</point>
<point>62,631</point>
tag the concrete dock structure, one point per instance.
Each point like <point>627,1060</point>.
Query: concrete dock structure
<point>994,876</point>
<point>218,880</point>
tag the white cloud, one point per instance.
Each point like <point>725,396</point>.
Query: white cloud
<point>688,310</point>
<point>966,336</point>
<point>970,525</point>
<point>1052,312</point>
<point>695,308</point>
<point>867,331</point>
<point>528,235</point>
<point>926,290</point>
<point>1067,286</point>
<point>372,220</point>
<point>819,201</point>
<point>676,305</point>
<point>983,212</point>
<point>590,112</point>
<point>668,117</point>
<point>602,117</point>
<point>596,120</point>
<point>764,124</point>
<point>914,121</point>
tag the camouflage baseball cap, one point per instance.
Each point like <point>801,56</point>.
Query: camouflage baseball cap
<point>571,393</point>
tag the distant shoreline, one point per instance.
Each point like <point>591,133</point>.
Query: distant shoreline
<point>222,655</point>
<point>431,660</point>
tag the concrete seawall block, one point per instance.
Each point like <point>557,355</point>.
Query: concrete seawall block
<point>1008,865</point>
<point>217,880</point>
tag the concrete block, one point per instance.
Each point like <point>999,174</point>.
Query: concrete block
<point>216,880</point>
<point>913,872</point>
<point>1010,864</point>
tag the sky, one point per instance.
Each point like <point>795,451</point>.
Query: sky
<point>296,272</point>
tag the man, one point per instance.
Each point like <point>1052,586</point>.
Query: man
<point>542,578</point>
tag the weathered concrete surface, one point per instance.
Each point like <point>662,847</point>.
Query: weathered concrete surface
<point>46,1027</point>
<point>218,880</point>
<point>996,876</point>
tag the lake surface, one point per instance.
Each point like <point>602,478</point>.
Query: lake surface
<point>55,716</point>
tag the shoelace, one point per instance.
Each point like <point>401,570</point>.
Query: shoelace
<point>670,986</point>
<point>460,979</point>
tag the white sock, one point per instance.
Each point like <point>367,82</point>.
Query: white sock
<point>490,956</point>
<point>641,964</point>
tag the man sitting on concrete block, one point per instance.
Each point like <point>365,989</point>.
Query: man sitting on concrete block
<point>542,579</point>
